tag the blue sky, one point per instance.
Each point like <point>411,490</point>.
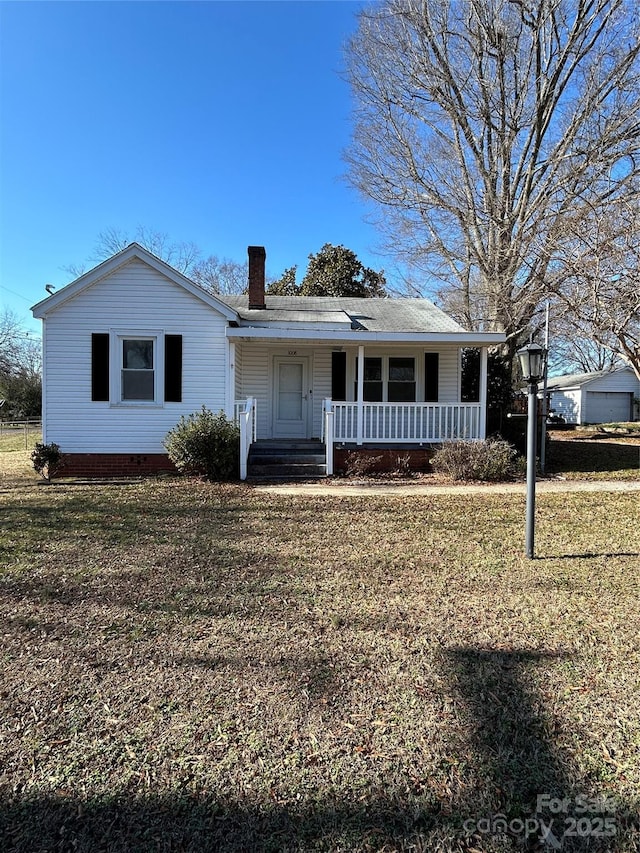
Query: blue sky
<point>221,123</point>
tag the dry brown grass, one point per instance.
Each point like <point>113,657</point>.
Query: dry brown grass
<point>194,667</point>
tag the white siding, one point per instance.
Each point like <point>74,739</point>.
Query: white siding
<point>133,297</point>
<point>449,382</point>
<point>567,404</point>
<point>321,386</point>
<point>237,391</point>
<point>253,381</point>
<point>619,380</point>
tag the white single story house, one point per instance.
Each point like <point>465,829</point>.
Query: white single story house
<point>605,396</point>
<point>132,345</point>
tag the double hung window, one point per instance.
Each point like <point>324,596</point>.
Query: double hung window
<point>130,368</point>
<point>138,372</point>
<point>402,380</point>
<point>388,379</point>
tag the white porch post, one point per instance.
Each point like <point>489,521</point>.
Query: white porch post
<point>231,374</point>
<point>483,391</point>
<point>244,445</point>
<point>360,395</point>
<point>328,436</point>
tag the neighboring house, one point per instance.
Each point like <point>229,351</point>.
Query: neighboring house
<point>132,345</point>
<point>594,398</point>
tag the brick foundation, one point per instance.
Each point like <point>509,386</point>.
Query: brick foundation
<point>386,459</point>
<point>114,465</point>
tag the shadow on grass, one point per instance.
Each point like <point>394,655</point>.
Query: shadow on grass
<point>517,762</point>
<point>519,757</point>
<point>510,731</point>
<point>590,555</point>
<point>587,455</point>
<point>180,822</point>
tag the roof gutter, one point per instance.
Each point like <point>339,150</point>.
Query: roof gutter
<point>364,337</point>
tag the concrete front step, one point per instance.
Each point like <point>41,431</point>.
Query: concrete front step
<point>265,471</point>
<point>273,446</point>
<point>286,460</point>
<point>260,458</point>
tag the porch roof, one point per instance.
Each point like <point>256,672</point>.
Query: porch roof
<point>358,321</point>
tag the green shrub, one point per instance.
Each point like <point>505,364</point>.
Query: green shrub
<point>476,460</point>
<point>46,459</point>
<point>206,445</point>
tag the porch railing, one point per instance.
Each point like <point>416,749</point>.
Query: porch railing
<point>245,415</point>
<point>240,408</point>
<point>410,423</point>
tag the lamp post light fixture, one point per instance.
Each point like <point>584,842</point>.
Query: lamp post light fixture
<point>531,364</point>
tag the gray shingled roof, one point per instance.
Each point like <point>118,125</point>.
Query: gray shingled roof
<point>373,315</point>
<point>570,380</point>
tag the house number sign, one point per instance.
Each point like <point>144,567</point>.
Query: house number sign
<point>293,352</point>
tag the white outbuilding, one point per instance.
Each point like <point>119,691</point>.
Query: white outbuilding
<point>594,398</point>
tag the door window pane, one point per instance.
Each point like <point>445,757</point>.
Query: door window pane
<point>290,392</point>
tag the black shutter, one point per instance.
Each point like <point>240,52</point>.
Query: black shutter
<point>431,368</point>
<point>100,367</point>
<point>173,368</point>
<point>338,376</point>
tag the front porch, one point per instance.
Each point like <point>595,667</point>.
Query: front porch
<point>350,426</point>
<point>386,394</point>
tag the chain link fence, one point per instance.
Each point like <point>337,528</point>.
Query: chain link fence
<point>20,435</point>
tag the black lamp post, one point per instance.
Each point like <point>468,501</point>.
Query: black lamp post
<point>530,358</point>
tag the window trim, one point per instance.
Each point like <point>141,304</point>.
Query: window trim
<point>118,336</point>
<point>384,380</point>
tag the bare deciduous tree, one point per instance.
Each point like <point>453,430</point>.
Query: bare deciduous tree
<point>480,127</point>
<point>574,351</point>
<point>181,255</point>
<point>217,275</point>
<point>597,279</point>
<point>220,275</point>
<point>20,369</point>
<point>10,333</point>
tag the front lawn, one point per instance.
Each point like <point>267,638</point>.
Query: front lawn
<point>201,668</point>
<point>594,455</point>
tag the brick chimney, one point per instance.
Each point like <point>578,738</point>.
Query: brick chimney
<point>257,258</point>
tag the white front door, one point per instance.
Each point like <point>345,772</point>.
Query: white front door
<point>291,397</point>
